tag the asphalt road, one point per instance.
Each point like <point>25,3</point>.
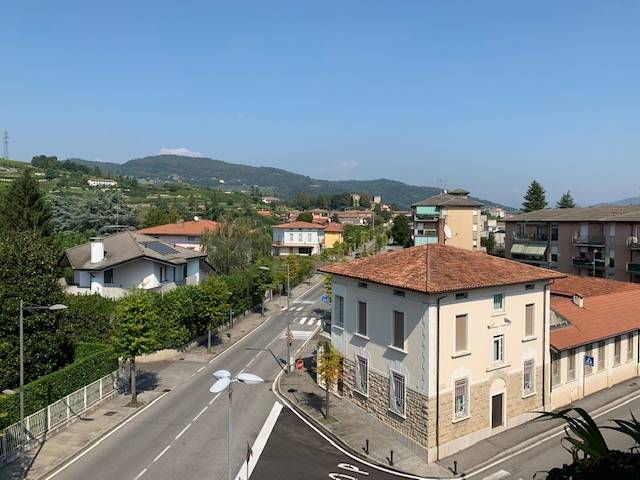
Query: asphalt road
<point>295,451</point>
<point>183,435</point>
<point>549,453</point>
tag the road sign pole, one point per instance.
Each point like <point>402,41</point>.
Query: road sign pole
<point>289,340</point>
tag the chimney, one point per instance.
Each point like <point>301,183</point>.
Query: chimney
<point>97,249</point>
<point>578,300</point>
<point>441,236</point>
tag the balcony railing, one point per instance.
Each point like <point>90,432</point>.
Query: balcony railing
<point>426,217</point>
<point>633,268</point>
<point>530,237</point>
<point>589,240</point>
<point>583,262</point>
<point>633,243</point>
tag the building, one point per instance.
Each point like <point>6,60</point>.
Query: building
<point>264,213</point>
<point>332,235</point>
<point>496,212</point>
<point>598,241</point>
<point>115,265</point>
<point>297,238</point>
<point>445,345</point>
<point>451,218</point>
<point>597,318</point>
<point>376,200</point>
<point>355,200</point>
<point>183,234</point>
<point>354,217</point>
<point>268,200</point>
<point>102,182</point>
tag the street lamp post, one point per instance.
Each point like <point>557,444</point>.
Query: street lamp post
<point>23,433</point>
<point>288,286</point>
<point>264,268</point>
<point>224,382</point>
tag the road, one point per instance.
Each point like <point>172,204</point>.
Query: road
<point>183,434</point>
<point>549,453</point>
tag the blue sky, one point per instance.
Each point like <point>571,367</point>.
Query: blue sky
<point>485,95</point>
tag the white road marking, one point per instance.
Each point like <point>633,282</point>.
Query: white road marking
<point>318,323</point>
<point>140,474</point>
<point>198,415</point>
<point>182,431</point>
<point>299,308</point>
<point>213,399</point>
<point>251,362</point>
<point>302,320</point>
<point>162,453</point>
<point>299,334</point>
<point>200,369</point>
<point>497,475</point>
<point>284,308</point>
<point>260,442</point>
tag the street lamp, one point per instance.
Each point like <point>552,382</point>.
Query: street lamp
<point>224,382</point>
<point>264,268</point>
<point>28,307</point>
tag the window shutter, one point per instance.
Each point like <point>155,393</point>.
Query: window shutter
<point>461,333</point>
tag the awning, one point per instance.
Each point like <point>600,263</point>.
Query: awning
<point>526,249</point>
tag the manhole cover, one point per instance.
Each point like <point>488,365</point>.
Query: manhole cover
<point>110,413</point>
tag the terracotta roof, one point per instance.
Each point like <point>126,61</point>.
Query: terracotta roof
<point>334,228</point>
<point>264,213</point>
<point>438,268</point>
<point>448,200</point>
<point>605,213</point>
<point>590,286</point>
<point>190,228</point>
<point>314,226</point>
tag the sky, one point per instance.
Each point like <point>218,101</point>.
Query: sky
<point>486,95</point>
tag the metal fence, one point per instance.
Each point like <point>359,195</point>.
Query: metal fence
<point>55,416</point>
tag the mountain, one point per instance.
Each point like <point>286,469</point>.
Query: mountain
<point>628,201</point>
<point>216,173</point>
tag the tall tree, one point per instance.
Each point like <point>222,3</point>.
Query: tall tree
<point>134,332</point>
<point>401,230</point>
<point>23,206</point>
<point>491,244</point>
<point>305,217</point>
<point>535,198</point>
<point>566,201</point>
<point>302,201</point>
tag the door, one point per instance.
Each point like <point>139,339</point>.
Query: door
<point>496,410</point>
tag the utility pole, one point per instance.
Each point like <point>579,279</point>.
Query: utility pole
<point>288,286</point>
<point>5,141</point>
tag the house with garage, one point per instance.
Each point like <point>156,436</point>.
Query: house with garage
<point>445,345</point>
<point>114,265</point>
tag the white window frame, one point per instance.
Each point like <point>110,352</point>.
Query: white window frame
<point>466,334</point>
<point>393,407</point>
<point>501,310</point>
<point>571,373</point>
<point>393,330</point>
<point>357,384</point>
<point>366,318</point>
<point>500,339</point>
<point>532,334</point>
<point>556,379</point>
<point>165,277</point>
<point>291,236</point>
<point>617,342</point>
<point>529,367</point>
<point>602,355</point>
<point>339,307</point>
<point>465,411</point>
<point>630,343</point>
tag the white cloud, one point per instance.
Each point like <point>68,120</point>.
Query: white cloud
<point>348,164</point>
<point>179,151</point>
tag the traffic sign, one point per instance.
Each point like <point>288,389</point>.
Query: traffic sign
<point>325,298</point>
<point>588,361</point>
<point>289,336</point>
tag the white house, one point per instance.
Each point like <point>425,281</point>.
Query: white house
<point>102,182</point>
<point>297,238</point>
<point>114,265</point>
<point>183,234</point>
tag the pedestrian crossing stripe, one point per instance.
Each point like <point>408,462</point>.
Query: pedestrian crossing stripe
<point>299,334</point>
<point>299,308</point>
<point>302,320</point>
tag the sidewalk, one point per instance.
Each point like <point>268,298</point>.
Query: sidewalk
<point>352,425</point>
<point>154,379</point>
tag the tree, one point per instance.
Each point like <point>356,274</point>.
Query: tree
<point>23,206</point>
<point>327,280</point>
<point>401,230</point>
<point>535,198</point>
<point>566,201</point>
<point>302,201</point>
<point>134,331</point>
<point>329,370</point>
<point>293,262</point>
<point>491,243</point>
<point>305,217</point>
<point>213,304</point>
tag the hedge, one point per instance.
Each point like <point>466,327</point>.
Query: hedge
<point>83,350</point>
<point>50,388</point>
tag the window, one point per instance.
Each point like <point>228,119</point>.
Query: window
<point>554,233</point>
<point>299,236</point>
<point>185,271</point>
<point>498,302</point>
<point>554,257</point>
<point>617,350</point>
<point>528,378</point>
<point>362,285</point>
<point>191,239</point>
<point>339,310</point>
<point>571,365</point>
<point>461,295</point>
<point>291,237</point>
<point>461,399</point>
<point>588,352</point>
<point>601,356</point>
<point>498,349</point>
<point>308,237</point>
<point>529,323</point>
<point>362,375</point>
<point>396,393</point>
<point>399,293</point>
<point>461,333</point>
<point>163,273</point>
<point>398,330</point>
<point>555,368</point>
<point>362,318</point>
<point>629,346</point>
<point>108,276</point>
<point>530,286</point>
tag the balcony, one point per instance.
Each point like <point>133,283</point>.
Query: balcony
<point>633,268</point>
<point>538,237</point>
<point>589,240</point>
<point>583,262</point>
<point>633,243</point>
<point>426,217</point>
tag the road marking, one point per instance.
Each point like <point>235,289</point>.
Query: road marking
<point>251,362</point>
<point>284,308</point>
<point>198,415</point>
<point>260,442</point>
<point>162,453</point>
<point>302,320</point>
<point>140,474</point>
<point>213,399</point>
<point>318,323</point>
<point>200,369</point>
<point>497,475</point>
<point>182,431</point>
<point>299,308</point>
<point>190,376</point>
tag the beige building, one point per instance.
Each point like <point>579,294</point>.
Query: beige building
<point>444,345</point>
<point>451,218</point>
<point>599,241</point>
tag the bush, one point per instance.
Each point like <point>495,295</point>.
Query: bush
<point>88,318</point>
<point>50,388</point>
<point>83,350</point>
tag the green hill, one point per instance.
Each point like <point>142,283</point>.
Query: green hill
<point>230,176</point>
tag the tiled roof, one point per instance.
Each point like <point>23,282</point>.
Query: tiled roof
<point>447,200</point>
<point>190,228</point>
<point>438,268</point>
<point>314,226</point>
<point>606,213</point>
<point>609,308</point>
<point>334,228</point>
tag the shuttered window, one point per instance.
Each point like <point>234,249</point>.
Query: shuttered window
<point>362,318</point>
<point>528,378</point>
<point>461,399</point>
<point>617,350</point>
<point>397,393</point>
<point>362,375</point>
<point>461,333</point>
<point>602,356</point>
<point>398,329</point>
<point>555,368</point>
<point>571,364</point>
<point>339,310</point>
<point>629,346</point>
<point>529,326</point>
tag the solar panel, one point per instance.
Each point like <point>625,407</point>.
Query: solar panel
<point>160,248</point>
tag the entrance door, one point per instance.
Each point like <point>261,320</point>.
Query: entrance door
<point>496,410</point>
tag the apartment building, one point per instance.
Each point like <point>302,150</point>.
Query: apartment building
<point>297,238</point>
<point>598,241</point>
<point>451,218</point>
<point>444,345</point>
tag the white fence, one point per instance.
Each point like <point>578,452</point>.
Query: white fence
<point>55,416</point>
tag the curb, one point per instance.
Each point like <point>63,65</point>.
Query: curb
<point>546,434</point>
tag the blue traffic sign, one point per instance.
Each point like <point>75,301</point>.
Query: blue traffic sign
<point>588,361</point>
<point>325,298</point>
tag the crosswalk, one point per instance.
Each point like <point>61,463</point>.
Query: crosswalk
<point>292,308</point>
<point>311,321</point>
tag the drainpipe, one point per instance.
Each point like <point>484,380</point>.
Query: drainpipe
<point>438,377</point>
